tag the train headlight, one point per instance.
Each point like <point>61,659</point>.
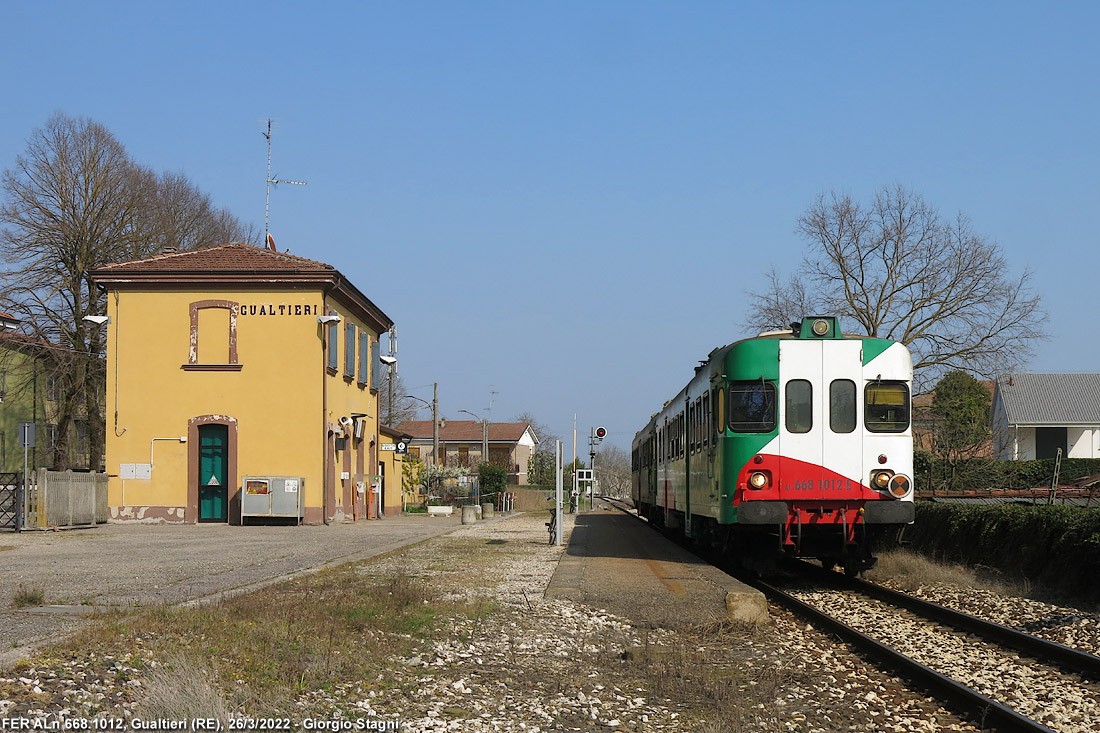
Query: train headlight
<point>820,327</point>
<point>900,486</point>
<point>880,480</point>
<point>759,480</point>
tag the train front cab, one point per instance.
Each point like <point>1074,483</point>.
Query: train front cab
<point>824,447</point>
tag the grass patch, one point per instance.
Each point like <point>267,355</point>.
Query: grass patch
<point>260,650</point>
<point>28,597</point>
<point>911,570</point>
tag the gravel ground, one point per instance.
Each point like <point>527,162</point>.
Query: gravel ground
<point>540,665</point>
<point>1073,627</point>
<point>1062,702</point>
<point>125,565</point>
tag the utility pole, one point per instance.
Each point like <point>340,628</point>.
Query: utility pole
<point>435,423</point>
<point>594,438</point>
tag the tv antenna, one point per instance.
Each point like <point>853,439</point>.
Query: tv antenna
<point>269,241</point>
<point>492,393</point>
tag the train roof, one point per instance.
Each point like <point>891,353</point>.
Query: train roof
<point>808,328</point>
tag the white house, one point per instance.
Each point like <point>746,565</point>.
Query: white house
<point>1036,414</point>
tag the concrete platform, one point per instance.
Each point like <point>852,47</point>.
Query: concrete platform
<point>616,562</point>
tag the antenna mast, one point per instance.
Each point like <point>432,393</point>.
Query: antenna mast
<point>268,242</point>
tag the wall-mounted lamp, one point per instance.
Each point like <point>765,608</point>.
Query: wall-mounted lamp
<point>329,319</point>
<point>96,320</point>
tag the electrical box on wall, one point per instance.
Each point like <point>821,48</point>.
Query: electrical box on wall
<point>273,496</point>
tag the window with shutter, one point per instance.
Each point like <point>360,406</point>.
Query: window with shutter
<point>333,345</point>
<point>364,357</point>
<point>349,350</point>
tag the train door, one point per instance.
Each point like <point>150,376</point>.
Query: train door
<point>842,418</point>
<point>801,441</point>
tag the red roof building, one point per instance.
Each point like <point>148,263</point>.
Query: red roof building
<point>461,444</point>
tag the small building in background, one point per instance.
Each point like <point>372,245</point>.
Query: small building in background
<point>511,445</point>
<point>237,376</point>
<point>1036,414</point>
<point>391,463</point>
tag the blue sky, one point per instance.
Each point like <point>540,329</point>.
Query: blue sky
<point>568,202</point>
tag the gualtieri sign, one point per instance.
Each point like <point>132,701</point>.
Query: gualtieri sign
<point>280,310</point>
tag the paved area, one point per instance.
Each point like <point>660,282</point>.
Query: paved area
<point>616,562</point>
<point>82,570</point>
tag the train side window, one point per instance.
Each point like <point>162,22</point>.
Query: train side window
<point>704,420</point>
<point>842,405</point>
<point>752,406</point>
<point>700,424</point>
<point>886,407</point>
<point>691,428</point>
<point>799,406</point>
<point>680,435</point>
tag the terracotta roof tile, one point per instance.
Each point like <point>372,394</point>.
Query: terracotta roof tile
<point>232,257</point>
<point>465,430</point>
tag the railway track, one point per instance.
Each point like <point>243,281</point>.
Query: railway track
<point>1000,677</point>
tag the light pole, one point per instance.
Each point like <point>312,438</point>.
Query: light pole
<point>484,449</point>
<point>434,404</point>
<point>484,436</point>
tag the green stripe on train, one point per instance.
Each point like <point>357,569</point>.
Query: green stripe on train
<point>748,360</point>
<point>873,348</point>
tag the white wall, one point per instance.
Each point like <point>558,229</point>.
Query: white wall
<point>1083,443</point>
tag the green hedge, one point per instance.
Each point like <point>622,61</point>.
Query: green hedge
<point>1053,548</point>
<point>975,474</point>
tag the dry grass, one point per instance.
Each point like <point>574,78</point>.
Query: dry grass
<point>181,688</point>
<point>909,571</point>
<point>261,649</point>
<point>28,597</point>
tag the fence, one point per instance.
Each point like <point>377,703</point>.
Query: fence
<point>65,499</point>
<point>9,493</point>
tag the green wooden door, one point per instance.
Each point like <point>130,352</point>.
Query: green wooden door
<point>213,473</point>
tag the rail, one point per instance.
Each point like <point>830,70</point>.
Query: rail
<point>1044,649</point>
<point>982,708</point>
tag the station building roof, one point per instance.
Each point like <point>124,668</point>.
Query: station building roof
<point>241,265</point>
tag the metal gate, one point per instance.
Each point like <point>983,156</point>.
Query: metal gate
<point>9,487</point>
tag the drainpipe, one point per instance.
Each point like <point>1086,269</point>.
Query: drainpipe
<point>324,407</point>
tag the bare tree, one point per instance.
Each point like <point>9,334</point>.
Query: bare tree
<point>612,466</point>
<point>897,270</point>
<point>546,436</point>
<point>73,201</point>
<point>181,217</point>
<point>403,407</point>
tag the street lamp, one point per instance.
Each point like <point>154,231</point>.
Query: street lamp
<point>484,436</point>
<point>434,404</point>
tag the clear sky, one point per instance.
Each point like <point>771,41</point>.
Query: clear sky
<point>567,202</point>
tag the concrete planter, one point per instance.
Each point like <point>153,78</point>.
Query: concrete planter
<point>440,511</point>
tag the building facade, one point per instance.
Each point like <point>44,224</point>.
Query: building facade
<point>1035,415</point>
<point>233,362</point>
<point>461,444</point>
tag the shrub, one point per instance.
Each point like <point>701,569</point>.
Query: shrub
<point>491,478</point>
<point>1055,548</point>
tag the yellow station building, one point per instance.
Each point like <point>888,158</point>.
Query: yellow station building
<point>242,385</point>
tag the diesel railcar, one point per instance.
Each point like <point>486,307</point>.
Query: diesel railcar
<point>795,442</point>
